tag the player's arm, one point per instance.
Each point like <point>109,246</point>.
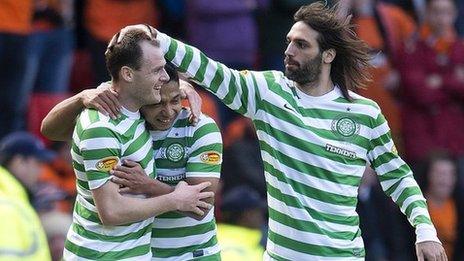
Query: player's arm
<point>205,159</point>
<point>60,121</point>
<point>397,182</point>
<point>115,209</point>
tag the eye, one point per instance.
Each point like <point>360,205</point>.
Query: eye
<point>302,45</point>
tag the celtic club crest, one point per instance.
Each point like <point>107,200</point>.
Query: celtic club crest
<point>345,127</point>
<point>175,152</point>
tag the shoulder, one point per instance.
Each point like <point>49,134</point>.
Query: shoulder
<point>365,105</point>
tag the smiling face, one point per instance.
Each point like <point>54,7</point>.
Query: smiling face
<point>303,57</point>
<point>151,75</point>
<point>162,115</point>
<point>441,15</point>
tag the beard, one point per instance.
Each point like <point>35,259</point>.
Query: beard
<point>307,72</point>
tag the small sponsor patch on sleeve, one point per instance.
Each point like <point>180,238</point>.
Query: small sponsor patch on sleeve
<point>244,72</point>
<point>107,164</point>
<point>211,157</point>
<point>394,150</point>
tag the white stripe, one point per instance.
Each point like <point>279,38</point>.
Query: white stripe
<point>315,182</point>
<point>294,255</point>
<point>99,143</point>
<point>410,200</point>
<point>301,214</point>
<point>380,130</point>
<point>311,158</point>
<point>313,238</point>
<point>181,222</point>
<point>103,246</point>
<point>194,65</point>
<point>189,256</point>
<point>203,175</point>
<point>393,164</point>
<point>159,242</point>
<point>111,230</point>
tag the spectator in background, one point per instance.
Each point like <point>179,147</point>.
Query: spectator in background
<point>460,21</point>
<point>57,181</point>
<point>104,18</point>
<point>432,71</point>
<point>51,46</point>
<point>240,235</point>
<point>206,22</point>
<point>384,27</point>
<point>56,225</point>
<point>15,25</point>
<point>441,177</point>
<point>242,159</point>
<point>21,234</point>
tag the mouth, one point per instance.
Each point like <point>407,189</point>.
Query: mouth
<point>289,63</point>
<point>164,121</point>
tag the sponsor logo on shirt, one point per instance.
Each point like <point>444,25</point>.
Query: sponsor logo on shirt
<point>210,157</point>
<point>171,178</point>
<point>340,151</point>
<point>107,164</point>
<point>175,152</point>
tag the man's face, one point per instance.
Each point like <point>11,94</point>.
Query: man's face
<point>151,75</point>
<point>442,178</point>
<point>161,116</point>
<point>441,15</point>
<point>303,58</point>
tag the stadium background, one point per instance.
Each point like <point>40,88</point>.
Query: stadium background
<point>51,49</point>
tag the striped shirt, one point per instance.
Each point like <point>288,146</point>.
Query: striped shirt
<point>314,151</point>
<point>99,143</point>
<point>186,151</point>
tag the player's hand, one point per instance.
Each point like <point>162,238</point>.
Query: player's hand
<point>430,250</point>
<point>104,99</point>
<point>190,198</point>
<point>194,99</point>
<point>131,178</point>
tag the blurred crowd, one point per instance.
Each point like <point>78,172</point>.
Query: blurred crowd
<point>51,49</point>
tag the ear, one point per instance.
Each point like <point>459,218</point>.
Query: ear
<point>126,73</point>
<point>329,55</point>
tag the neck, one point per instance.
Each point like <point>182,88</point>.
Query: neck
<point>124,97</point>
<point>319,87</point>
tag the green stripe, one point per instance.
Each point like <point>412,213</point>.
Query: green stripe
<point>171,54</point>
<point>86,213</point>
<point>289,118</point>
<point>312,249</point>
<point>83,184</point>
<point>205,130</point>
<point>308,169</point>
<point>216,147</point>
<point>311,227</point>
<point>96,175</point>
<point>93,115</point>
<point>168,252</point>
<point>421,219</point>
<point>187,58</point>
<point>110,255</point>
<point>324,217</point>
<point>305,145</point>
<point>309,191</point>
<point>118,239</point>
<point>180,232</point>
<point>398,173</point>
<point>217,79</point>
<point>96,154</point>
<point>203,167</point>
<point>358,101</point>
<point>200,75</point>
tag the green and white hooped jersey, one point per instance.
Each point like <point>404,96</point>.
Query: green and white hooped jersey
<point>99,143</point>
<point>182,152</point>
<point>314,150</point>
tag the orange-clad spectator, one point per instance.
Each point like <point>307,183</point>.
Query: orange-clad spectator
<point>441,175</point>
<point>59,180</point>
<point>15,25</point>
<point>16,16</point>
<point>104,18</point>
<point>432,74</point>
<point>384,27</point>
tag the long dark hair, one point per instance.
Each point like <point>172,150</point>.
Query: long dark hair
<point>350,67</point>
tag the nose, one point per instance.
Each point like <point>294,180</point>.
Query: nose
<point>290,51</point>
<point>164,76</point>
<point>168,111</point>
